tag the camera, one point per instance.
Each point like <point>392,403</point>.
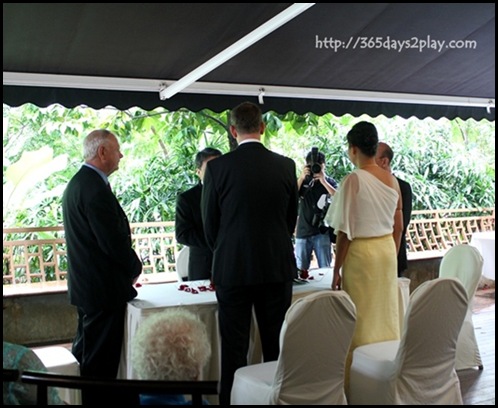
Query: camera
<point>317,221</point>
<point>314,166</point>
<point>319,217</point>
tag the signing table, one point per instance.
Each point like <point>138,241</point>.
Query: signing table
<point>154,298</point>
<point>485,243</point>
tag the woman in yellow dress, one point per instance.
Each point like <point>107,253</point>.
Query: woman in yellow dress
<point>367,219</point>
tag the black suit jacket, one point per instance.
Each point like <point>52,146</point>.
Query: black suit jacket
<point>189,231</point>
<point>101,261</point>
<point>406,197</point>
<point>249,211</point>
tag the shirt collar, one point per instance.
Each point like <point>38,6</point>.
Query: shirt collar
<point>100,172</point>
<point>249,140</point>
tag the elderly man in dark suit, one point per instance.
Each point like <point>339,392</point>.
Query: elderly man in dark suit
<point>383,158</point>
<point>188,221</point>
<point>249,210</point>
<point>102,265</point>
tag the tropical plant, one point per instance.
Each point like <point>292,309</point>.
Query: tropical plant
<point>450,164</point>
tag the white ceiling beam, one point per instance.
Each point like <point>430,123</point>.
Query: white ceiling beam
<point>245,42</point>
<point>214,88</point>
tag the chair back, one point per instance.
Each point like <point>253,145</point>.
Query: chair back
<point>463,262</point>
<point>182,264</point>
<point>314,342</point>
<point>425,358</point>
<point>131,388</point>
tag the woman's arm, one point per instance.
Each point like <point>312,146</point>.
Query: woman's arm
<point>341,250</point>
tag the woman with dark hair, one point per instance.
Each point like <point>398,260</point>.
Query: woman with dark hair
<point>366,214</point>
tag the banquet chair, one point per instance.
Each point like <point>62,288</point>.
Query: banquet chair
<point>129,388</point>
<point>314,341</point>
<point>59,360</point>
<point>182,264</point>
<point>465,262</point>
<point>418,369</point>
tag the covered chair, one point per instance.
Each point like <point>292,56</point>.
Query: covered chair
<point>465,262</point>
<point>182,264</point>
<point>59,360</point>
<point>314,342</point>
<point>419,369</point>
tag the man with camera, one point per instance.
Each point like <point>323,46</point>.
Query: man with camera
<point>315,191</point>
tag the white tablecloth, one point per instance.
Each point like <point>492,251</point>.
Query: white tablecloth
<point>154,298</point>
<point>485,243</point>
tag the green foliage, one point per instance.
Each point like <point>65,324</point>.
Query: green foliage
<point>450,164</point>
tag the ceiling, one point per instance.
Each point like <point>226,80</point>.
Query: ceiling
<point>124,54</point>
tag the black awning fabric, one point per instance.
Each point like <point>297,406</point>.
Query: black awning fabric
<point>98,99</point>
<point>352,47</point>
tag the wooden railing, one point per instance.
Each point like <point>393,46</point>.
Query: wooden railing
<point>33,255</point>
<point>432,233</point>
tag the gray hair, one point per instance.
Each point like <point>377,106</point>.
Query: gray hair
<point>170,346</point>
<point>93,141</point>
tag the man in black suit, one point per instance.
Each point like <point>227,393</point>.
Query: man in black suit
<point>188,221</point>
<point>102,265</point>
<point>383,158</point>
<point>249,210</point>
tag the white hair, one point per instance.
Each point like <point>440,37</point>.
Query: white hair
<point>93,141</point>
<point>172,346</point>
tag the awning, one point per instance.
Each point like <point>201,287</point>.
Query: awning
<point>415,59</point>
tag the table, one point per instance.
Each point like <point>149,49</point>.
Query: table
<point>485,243</point>
<point>153,298</point>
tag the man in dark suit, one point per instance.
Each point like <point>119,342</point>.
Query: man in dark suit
<point>249,210</point>
<point>102,265</point>
<point>188,221</point>
<point>383,158</point>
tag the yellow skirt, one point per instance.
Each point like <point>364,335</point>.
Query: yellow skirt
<point>369,276</point>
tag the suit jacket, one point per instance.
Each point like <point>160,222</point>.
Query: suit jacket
<point>249,211</point>
<point>406,198</point>
<point>189,231</point>
<point>101,261</point>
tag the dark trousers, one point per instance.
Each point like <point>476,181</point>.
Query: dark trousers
<point>97,347</point>
<point>235,305</point>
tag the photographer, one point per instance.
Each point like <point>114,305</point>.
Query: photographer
<point>315,190</point>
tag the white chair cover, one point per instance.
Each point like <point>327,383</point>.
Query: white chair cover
<point>182,263</point>
<point>404,299</point>
<point>419,369</point>
<point>60,360</point>
<point>314,342</point>
<point>465,263</point>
